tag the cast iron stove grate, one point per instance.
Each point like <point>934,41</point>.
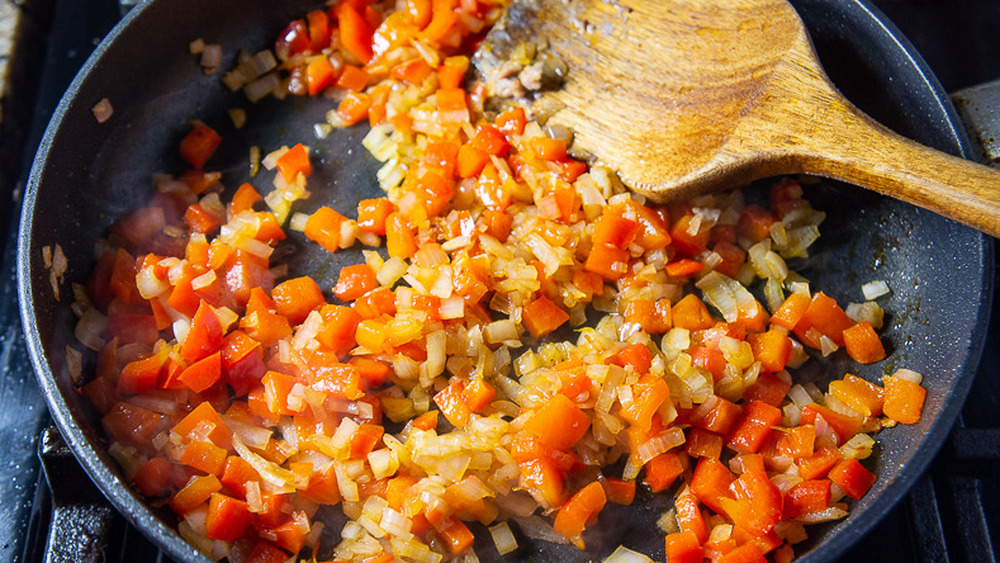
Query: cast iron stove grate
<point>951,514</point>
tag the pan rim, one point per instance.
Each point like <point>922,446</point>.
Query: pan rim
<point>121,496</point>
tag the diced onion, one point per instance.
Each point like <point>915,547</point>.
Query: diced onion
<point>826,515</point>
<point>875,289</point>
<point>626,555</point>
<point>909,375</point>
<point>538,529</point>
<point>503,538</point>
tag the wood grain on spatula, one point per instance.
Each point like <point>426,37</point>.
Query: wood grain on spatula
<point>686,96</point>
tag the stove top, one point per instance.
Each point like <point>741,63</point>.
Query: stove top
<point>951,514</point>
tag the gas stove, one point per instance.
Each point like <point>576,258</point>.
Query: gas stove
<point>51,512</point>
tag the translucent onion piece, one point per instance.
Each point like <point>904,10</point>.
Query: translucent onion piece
<point>503,538</point>
<point>875,289</point>
<point>626,555</point>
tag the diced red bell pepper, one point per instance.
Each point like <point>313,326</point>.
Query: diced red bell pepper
<point>355,32</point>
<point>580,508</point>
<point>244,374</point>
<point>636,355</point>
<point>747,553</point>
<point>141,376</point>
<point>292,40</point>
<point>826,316</point>
<point>689,515</point>
<point>154,478</point>
<point>608,261</point>
<point>845,426</point>
<point>452,72</point>
<point>323,227</point>
<point>904,400</point>
<point>864,397</point>
<point>323,487</point>
<point>818,464</point>
<point>648,395</point>
<point>807,496</point>
<point>768,388</point>
<point>542,316</point>
<point>717,415</point>
<point>684,547</point>
<point>266,552</point>
<point>293,162</point>
<point>372,215</point>
<point>354,107</point>
<point>355,281</point>
<point>511,121</point>
<point>202,374</point>
<point>339,380</point>
<point>852,477</point>
<point>710,483</point>
<point>558,423</point>
<point>297,297</point>
<point>763,499</point>
<point>456,535</point>
<point>195,493</point>
<point>319,30</point>
<point>204,456</point>
<point>662,471</point>
<point>320,75</point>
<point>353,78</point>
<point>400,240</point>
<point>863,344</point>
<point>754,223</point>
<point>205,335</point>
<point>703,443</point>
<point>199,144</point>
<point>619,491</point>
<point>236,473</point>
<point>261,322</point>
<point>692,314</point>
<point>205,414</point>
<point>490,140</point>
<point>756,423</point>
<point>452,404</point>
<point>772,349</point>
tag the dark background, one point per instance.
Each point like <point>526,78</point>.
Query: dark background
<point>952,514</point>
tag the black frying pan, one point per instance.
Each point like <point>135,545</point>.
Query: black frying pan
<point>86,174</point>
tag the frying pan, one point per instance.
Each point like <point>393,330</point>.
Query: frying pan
<point>86,174</point>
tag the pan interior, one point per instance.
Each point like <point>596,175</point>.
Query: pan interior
<point>87,174</point>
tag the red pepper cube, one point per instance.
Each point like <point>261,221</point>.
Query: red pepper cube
<point>755,425</point>
<point>293,162</point>
<point>863,344</point>
<point>323,228</point>
<point>353,78</point>
<point>542,316</point>
<point>372,214</point>
<point>199,144</point>
<point>684,547</point>
<point>559,423</point>
<point>354,282</point>
<point>852,477</point>
<point>297,297</point>
<point>228,519</point>
<point>489,139</point>
<point>320,74</point>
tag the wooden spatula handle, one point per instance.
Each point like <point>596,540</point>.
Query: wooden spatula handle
<point>839,141</point>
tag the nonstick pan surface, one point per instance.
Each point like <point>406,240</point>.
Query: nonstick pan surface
<point>87,174</point>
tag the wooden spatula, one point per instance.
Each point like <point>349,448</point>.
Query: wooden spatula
<point>686,96</point>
